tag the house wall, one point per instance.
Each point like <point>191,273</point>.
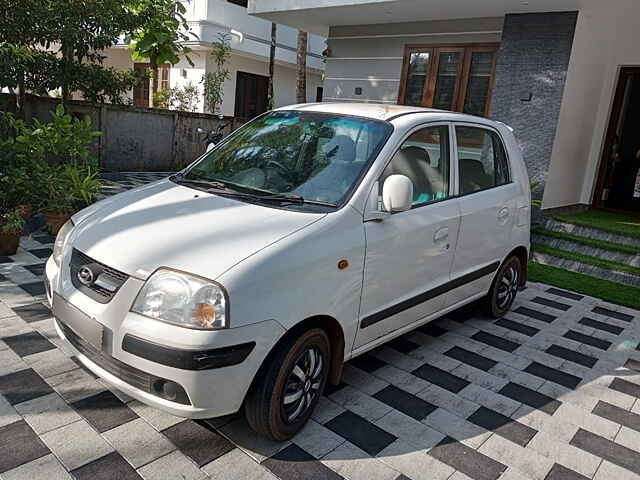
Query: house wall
<point>606,38</point>
<point>284,81</point>
<point>370,56</point>
<point>530,80</point>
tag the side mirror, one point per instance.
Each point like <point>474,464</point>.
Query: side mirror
<point>397,193</point>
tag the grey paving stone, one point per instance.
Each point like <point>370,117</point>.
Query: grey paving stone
<point>172,466</point>
<point>609,471</point>
<point>237,465</point>
<point>316,439</point>
<point>19,444</point>
<point>104,411</point>
<point>47,413</point>
<point>360,403</point>
<point>503,426</point>
<point>292,463</point>
<point>75,385</point>
<point>47,467</point>
<point>618,415</point>
<point>138,442</point>
<point>158,419</point>
<point>611,451</point>
<point>109,467</point>
<point>410,430</point>
<point>413,463</point>
<point>467,460</point>
<point>352,463</point>
<point>525,460</point>
<point>565,454</point>
<point>560,472</point>
<point>23,385</point>
<point>76,444</point>
<point>453,426</point>
<point>8,413</point>
<point>198,442</point>
<point>256,446</point>
<point>50,363</point>
<point>359,431</point>
<point>326,410</point>
<point>629,438</point>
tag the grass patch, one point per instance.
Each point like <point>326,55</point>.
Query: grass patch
<point>579,257</point>
<point>589,242</point>
<point>587,285</point>
<point>614,222</point>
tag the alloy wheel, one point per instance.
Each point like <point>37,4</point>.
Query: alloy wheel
<point>508,287</point>
<point>303,384</point>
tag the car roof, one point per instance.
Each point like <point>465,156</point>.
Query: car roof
<point>378,111</point>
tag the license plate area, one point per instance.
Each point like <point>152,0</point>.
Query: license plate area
<point>82,324</point>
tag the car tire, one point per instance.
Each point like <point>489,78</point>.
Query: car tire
<point>287,389</point>
<point>504,288</point>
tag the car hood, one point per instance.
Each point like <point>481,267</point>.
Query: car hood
<point>168,225</point>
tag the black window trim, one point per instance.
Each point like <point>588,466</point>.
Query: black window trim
<point>489,128</point>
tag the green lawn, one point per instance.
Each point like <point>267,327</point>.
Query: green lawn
<point>590,242</point>
<point>615,222</point>
<point>610,291</point>
<point>579,257</point>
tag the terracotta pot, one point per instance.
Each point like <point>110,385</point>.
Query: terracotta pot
<point>55,221</point>
<point>26,211</point>
<point>9,243</point>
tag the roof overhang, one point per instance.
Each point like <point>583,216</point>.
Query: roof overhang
<point>317,16</point>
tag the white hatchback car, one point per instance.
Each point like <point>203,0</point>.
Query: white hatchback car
<point>310,235</point>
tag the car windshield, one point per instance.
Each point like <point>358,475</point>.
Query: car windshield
<point>307,155</point>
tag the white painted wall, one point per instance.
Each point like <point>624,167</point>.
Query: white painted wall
<point>284,86</point>
<point>606,38</point>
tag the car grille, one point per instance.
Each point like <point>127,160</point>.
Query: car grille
<point>128,374</point>
<point>107,280</point>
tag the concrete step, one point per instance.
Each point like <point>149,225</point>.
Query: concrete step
<point>563,244</point>
<point>587,269</point>
<point>558,226</point>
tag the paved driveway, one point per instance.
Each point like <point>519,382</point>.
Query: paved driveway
<point>552,392</point>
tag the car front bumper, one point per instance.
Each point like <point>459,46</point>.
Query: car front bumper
<point>138,355</point>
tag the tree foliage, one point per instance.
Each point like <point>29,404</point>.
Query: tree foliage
<point>162,37</point>
<point>213,82</point>
<point>51,44</point>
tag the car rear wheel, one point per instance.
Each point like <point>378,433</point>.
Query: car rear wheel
<point>504,288</point>
<point>287,390</point>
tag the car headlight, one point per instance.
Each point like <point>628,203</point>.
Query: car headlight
<point>184,300</point>
<point>61,241</point>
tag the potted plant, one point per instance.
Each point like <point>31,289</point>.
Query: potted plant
<point>83,184</point>
<point>58,201</point>
<point>11,225</point>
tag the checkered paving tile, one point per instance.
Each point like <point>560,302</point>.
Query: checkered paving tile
<point>550,392</point>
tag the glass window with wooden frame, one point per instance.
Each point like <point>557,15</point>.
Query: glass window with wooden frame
<point>424,158</point>
<point>458,77</point>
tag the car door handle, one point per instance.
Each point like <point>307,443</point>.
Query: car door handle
<point>503,213</point>
<point>441,235</point>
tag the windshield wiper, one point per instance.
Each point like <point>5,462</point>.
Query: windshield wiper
<point>223,188</point>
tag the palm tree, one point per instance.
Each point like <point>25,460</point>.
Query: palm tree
<point>301,73</point>
<point>272,59</point>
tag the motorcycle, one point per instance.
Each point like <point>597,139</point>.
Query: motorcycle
<point>213,137</point>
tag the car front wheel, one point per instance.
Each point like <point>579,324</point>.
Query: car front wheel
<point>287,390</point>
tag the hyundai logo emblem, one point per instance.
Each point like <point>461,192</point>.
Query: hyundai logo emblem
<point>86,276</point>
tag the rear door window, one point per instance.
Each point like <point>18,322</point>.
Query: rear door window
<point>482,161</point>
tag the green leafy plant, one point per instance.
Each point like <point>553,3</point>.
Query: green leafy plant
<point>162,37</point>
<point>213,82</point>
<point>83,183</point>
<point>162,98</point>
<point>184,99</point>
<point>12,222</point>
